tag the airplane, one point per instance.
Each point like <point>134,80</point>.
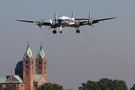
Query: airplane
<point>65,21</point>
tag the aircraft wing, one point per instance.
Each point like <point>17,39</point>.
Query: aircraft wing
<point>37,22</point>
<point>98,20</point>
<point>81,19</point>
<point>46,24</point>
<point>86,21</point>
<point>25,21</point>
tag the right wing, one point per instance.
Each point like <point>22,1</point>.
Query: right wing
<point>37,22</point>
<point>25,21</point>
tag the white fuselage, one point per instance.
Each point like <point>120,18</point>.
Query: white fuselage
<point>66,21</point>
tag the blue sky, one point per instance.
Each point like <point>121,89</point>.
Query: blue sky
<point>105,51</point>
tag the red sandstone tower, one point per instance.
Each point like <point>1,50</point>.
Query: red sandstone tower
<point>41,64</point>
<point>28,69</point>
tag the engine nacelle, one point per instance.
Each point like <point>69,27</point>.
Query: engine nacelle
<point>77,24</point>
<point>90,21</point>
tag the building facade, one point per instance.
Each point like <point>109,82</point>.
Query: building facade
<point>30,73</point>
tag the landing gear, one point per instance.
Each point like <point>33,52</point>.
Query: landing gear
<point>77,31</point>
<point>60,32</point>
<point>54,31</point>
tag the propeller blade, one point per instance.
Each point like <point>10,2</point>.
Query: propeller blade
<point>72,16</point>
<point>90,20</point>
<point>55,16</point>
<point>60,28</point>
<point>89,15</point>
<point>51,21</point>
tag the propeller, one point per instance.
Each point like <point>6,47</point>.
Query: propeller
<point>51,21</point>
<point>72,15</point>
<point>90,20</point>
<point>55,18</point>
<point>54,22</point>
<point>60,28</point>
<point>39,23</point>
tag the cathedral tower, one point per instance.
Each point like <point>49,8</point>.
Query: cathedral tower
<point>28,69</point>
<point>41,64</point>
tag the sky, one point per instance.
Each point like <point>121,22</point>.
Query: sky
<point>103,51</point>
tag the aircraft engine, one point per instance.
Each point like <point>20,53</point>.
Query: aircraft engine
<point>39,23</point>
<point>77,24</point>
<point>90,20</point>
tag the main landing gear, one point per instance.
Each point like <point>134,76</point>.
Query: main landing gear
<point>77,31</point>
<point>54,31</point>
<point>60,32</point>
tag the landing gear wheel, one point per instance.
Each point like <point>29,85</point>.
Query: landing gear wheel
<point>77,31</point>
<point>60,32</point>
<point>54,31</point>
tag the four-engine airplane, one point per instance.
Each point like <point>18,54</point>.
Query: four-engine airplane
<point>65,21</point>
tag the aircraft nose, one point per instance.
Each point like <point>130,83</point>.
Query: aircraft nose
<point>60,21</point>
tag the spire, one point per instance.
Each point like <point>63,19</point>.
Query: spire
<point>41,53</point>
<point>28,52</point>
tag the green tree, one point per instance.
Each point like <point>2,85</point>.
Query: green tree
<point>10,88</point>
<point>90,85</point>
<point>51,86</point>
<point>104,84</point>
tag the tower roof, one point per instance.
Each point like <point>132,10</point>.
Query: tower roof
<point>28,52</point>
<point>5,79</point>
<point>41,53</point>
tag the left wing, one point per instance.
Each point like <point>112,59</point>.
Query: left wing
<point>98,20</point>
<point>91,21</point>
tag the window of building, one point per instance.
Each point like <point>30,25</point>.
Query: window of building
<point>40,67</point>
<point>45,62</point>
<point>44,67</point>
<point>26,62</point>
<point>39,72</point>
<point>27,66</point>
<point>26,72</point>
<point>14,85</point>
<point>39,62</point>
<point>32,62</point>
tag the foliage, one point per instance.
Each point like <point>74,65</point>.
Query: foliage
<point>8,88</point>
<point>51,86</point>
<point>104,84</point>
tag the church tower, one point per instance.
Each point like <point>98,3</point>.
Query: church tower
<point>41,64</point>
<point>28,69</point>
